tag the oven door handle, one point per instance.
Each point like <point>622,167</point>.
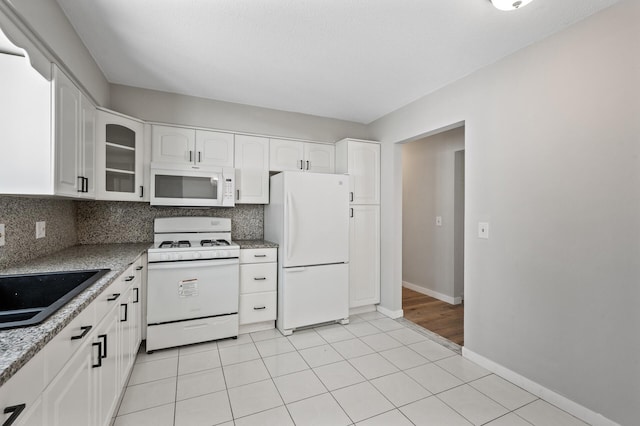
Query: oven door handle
<point>190,264</point>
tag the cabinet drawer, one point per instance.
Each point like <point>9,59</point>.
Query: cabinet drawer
<point>258,255</point>
<point>24,387</point>
<point>62,347</point>
<point>257,307</point>
<point>110,297</point>
<point>258,277</point>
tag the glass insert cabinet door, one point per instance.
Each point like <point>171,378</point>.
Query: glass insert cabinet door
<point>120,158</point>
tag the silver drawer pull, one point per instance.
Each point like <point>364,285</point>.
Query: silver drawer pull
<point>260,278</point>
<point>259,308</point>
<point>259,255</point>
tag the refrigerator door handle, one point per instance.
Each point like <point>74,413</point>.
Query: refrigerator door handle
<point>292,225</point>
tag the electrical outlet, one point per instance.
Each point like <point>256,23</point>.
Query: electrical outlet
<point>1,234</point>
<point>438,220</point>
<point>483,230</point>
<point>41,228</point>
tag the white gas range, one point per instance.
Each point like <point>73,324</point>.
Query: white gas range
<point>193,282</point>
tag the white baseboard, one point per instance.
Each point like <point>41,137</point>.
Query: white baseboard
<point>259,326</point>
<point>391,314</point>
<point>362,309</point>
<point>562,402</point>
<point>450,300</point>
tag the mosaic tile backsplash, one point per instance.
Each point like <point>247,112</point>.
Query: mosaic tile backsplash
<point>129,222</point>
<point>19,216</point>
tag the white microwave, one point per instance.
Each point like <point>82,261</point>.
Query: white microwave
<point>173,185</point>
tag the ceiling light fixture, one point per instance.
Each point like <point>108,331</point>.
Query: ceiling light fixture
<point>510,4</point>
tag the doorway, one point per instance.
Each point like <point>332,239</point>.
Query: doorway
<point>433,233</point>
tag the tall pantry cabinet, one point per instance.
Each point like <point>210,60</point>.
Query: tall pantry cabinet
<point>361,161</point>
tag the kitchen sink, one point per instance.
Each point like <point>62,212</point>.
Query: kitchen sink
<point>29,299</point>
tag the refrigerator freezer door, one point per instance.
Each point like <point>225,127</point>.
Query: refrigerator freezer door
<point>316,219</point>
<point>312,295</point>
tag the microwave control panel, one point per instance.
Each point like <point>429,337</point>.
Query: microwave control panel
<point>228,190</point>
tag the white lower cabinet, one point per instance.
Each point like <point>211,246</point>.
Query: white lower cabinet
<point>364,255</point>
<point>77,378</point>
<point>69,398</point>
<point>258,289</point>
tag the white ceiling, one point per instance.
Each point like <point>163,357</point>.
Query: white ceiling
<point>355,60</point>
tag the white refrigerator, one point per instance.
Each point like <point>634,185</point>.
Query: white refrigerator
<point>308,217</point>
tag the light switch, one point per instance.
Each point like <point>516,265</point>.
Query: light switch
<point>1,234</point>
<point>41,229</point>
<point>483,230</point>
<point>438,220</point>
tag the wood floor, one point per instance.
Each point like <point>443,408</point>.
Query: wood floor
<point>434,315</point>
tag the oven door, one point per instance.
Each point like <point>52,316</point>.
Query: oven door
<point>186,187</point>
<point>178,291</point>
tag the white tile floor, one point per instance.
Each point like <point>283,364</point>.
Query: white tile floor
<point>374,371</point>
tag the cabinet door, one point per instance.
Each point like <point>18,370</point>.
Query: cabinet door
<point>175,145</point>
<point>252,169</point>
<point>66,133</point>
<point>214,148</point>
<point>69,398</point>
<point>319,158</point>
<point>286,155</point>
<point>364,172</point>
<point>364,256</point>
<point>88,145</point>
<point>108,381</point>
<point>119,158</point>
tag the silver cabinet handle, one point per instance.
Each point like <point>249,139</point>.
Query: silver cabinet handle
<point>351,196</point>
<point>351,212</point>
<point>260,278</point>
<point>301,165</point>
<point>259,255</point>
<point>259,308</point>
<point>15,411</point>
<point>237,194</point>
<point>199,156</point>
<point>81,184</point>
<point>190,156</point>
<point>308,164</point>
<point>141,191</point>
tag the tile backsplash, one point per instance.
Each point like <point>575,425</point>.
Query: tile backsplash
<point>101,222</point>
<point>20,215</point>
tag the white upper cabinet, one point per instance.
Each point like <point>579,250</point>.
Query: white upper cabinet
<point>175,145</point>
<point>319,158</point>
<point>291,155</point>
<point>191,147</point>
<point>361,161</point>
<point>252,169</point>
<point>74,138</point>
<point>119,158</point>
<point>285,155</point>
<point>214,148</point>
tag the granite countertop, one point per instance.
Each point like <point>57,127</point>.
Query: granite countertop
<point>19,345</point>
<point>255,244</point>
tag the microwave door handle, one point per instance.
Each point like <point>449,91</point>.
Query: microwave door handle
<point>218,188</point>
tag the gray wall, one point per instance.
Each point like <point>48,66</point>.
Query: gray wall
<point>553,164</point>
<point>152,105</point>
<point>428,189</point>
<point>20,215</point>
<point>101,222</point>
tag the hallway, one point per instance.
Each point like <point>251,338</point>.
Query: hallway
<point>434,315</point>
